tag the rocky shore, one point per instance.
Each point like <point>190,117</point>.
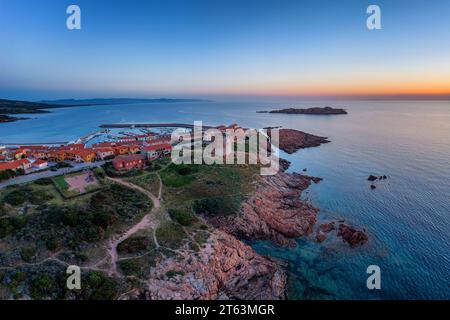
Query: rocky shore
<point>224,269</point>
<point>227,268</point>
<point>274,212</point>
<point>292,140</point>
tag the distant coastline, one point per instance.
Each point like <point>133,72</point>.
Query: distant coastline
<point>112,101</point>
<point>13,107</point>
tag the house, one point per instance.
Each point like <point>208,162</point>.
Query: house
<point>120,150</point>
<point>38,154</point>
<point>163,139</point>
<point>134,161</point>
<point>23,164</point>
<point>2,158</point>
<point>57,155</point>
<point>127,139</point>
<point>105,152</point>
<point>157,151</point>
<point>85,155</point>
<point>134,148</point>
<point>72,147</point>
<point>40,164</point>
<point>19,153</point>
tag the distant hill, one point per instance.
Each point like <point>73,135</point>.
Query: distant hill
<point>102,101</point>
<point>8,107</point>
<point>16,107</point>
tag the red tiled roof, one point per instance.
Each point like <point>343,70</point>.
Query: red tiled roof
<point>129,158</point>
<point>159,146</point>
<point>32,148</point>
<point>104,149</point>
<point>39,162</point>
<point>83,152</point>
<point>12,165</point>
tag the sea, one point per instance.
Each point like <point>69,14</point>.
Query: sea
<point>407,216</point>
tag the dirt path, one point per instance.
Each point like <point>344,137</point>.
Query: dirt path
<point>147,222</point>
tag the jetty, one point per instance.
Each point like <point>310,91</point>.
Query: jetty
<point>151,125</point>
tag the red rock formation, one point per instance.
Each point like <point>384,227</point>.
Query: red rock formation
<point>274,212</point>
<point>323,230</point>
<point>291,140</point>
<point>225,268</point>
<point>352,236</point>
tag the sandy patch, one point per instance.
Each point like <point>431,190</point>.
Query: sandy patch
<point>81,182</point>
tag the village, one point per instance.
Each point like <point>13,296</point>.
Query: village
<point>126,150</point>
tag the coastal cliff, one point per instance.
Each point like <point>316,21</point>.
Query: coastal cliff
<point>290,140</point>
<point>225,268</point>
<point>274,212</point>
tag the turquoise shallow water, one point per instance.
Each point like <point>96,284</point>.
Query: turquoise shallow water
<point>407,216</point>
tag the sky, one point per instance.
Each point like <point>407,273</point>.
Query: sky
<point>218,48</point>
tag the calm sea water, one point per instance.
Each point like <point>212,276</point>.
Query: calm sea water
<point>407,216</point>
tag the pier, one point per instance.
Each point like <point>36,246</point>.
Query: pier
<point>151,125</point>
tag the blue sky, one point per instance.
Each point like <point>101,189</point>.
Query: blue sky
<point>222,48</point>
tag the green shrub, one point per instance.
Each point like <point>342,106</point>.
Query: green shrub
<point>134,245</point>
<point>44,181</point>
<point>7,174</point>
<point>28,254</point>
<point>38,197</point>
<point>18,196</point>
<point>52,243</point>
<point>5,227</point>
<point>216,206</point>
<point>178,175</point>
<point>129,267</point>
<point>63,164</point>
<point>170,234</point>
<point>173,273</point>
<point>183,217</point>
<point>42,286</point>
<point>99,287</point>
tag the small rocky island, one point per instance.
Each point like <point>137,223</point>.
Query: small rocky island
<point>311,111</point>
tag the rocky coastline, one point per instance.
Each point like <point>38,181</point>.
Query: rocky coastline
<point>290,141</point>
<point>224,269</point>
<point>274,212</point>
<point>227,268</point>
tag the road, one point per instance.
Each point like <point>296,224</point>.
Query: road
<point>47,174</point>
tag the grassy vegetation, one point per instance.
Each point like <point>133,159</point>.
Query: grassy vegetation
<point>183,217</point>
<point>72,224</point>
<point>61,183</point>
<point>213,190</point>
<point>134,245</point>
<point>158,164</point>
<point>170,234</point>
<point>148,181</point>
<point>176,176</point>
